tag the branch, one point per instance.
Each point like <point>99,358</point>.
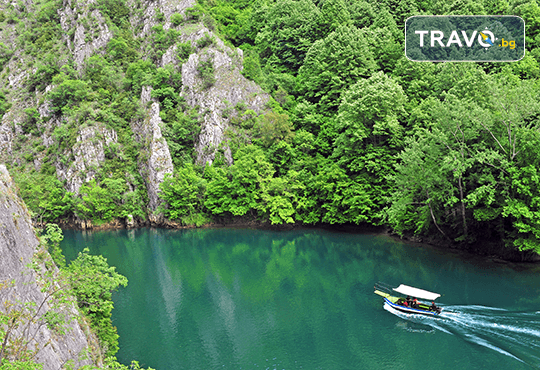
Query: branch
<point>433,216</point>
<point>491,133</point>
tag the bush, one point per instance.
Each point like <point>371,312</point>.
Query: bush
<point>117,11</point>
<point>206,72</point>
<point>194,14</point>
<point>163,40</point>
<point>4,104</point>
<point>205,41</point>
<point>46,70</point>
<point>140,73</point>
<point>5,55</point>
<point>67,94</point>
<point>184,50</point>
<point>121,51</point>
<point>29,125</point>
<point>177,19</point>
<point>252,66</point>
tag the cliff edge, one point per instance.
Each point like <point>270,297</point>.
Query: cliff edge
<point>38,333</point>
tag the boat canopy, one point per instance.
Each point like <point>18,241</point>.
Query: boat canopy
<point>417,293</point>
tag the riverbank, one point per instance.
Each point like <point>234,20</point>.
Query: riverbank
<point>491,250</point>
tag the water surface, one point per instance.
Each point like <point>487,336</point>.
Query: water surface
<point>303,299</point>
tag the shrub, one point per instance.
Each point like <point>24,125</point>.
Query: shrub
<point>29,125</point>
<point>177,19</point>
<point>241,106</point>
<point>117,10</point>
<point>252,66</point>
<point>5,55</point>
<point>184,50</point>
<point>195,13</point>
<point>67,94</point>
<point>206,72</point>
<point>4,104</point>
<point>46,70</point>
<point>205,41</point>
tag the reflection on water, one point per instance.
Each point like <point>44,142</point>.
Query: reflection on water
<point>303,299</point>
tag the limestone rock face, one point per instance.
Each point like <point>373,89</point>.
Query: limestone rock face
<point>86,31</point>
<point>6,138</point>
<point>156,161</point>
<point>18,243</point>
<point>88,154</point>
<point>229,89</point>
<point>85,41</point>
<point>147,19</point>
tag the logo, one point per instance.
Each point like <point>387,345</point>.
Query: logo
<point>465,38</point>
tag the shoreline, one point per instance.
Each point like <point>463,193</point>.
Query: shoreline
<point>487,251</point>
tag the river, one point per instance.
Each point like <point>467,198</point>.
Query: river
<point>303,299</point>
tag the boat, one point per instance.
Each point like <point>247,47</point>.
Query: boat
<point>399,302</point>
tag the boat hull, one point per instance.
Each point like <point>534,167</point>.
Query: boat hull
<point>410,309</point>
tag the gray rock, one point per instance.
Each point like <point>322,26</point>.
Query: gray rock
<point>6,139</point>
<point>89,154</point>
<point>18,243</point>
<point>156,160</point>
<point>167,7</point>
<point>85,41</point>
<point>130,222</point>
<point>229,89</point>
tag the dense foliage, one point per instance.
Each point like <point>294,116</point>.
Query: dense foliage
<point>93,282</point>
<point>421,147</point>
<point>354,132</point>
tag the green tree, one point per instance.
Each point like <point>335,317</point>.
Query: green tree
<point>279,201</point>
<point>67,94</point>
<point>470,172</point>
<point>273,127</point>
<point>52,238</point>
<point>370,135</point>
<point>93,281</point>
<point>289,29</point>
<point>334,64</point>
<point>370,112</point>
<point>53,202</point>
<point>101,203</point>
<point>239,190</point>
<point>184,194</point>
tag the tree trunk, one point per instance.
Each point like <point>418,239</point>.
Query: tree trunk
<point>465,232</point>
<point>433,217</point>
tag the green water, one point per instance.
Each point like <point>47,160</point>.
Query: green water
<point>303,299</point>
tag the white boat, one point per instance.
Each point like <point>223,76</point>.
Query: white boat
<point>408,304</point>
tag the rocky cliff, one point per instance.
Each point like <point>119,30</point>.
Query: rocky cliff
<point>54,348</point>
<point>79,103</point>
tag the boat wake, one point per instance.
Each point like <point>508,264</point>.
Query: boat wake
<point>514,334</point>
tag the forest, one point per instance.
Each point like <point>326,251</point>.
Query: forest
<point>354,132</point>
